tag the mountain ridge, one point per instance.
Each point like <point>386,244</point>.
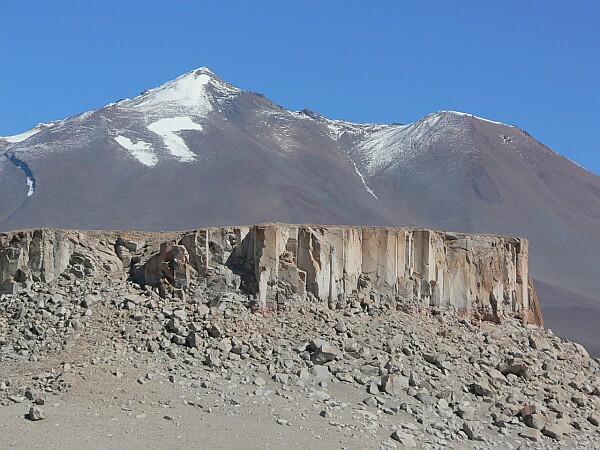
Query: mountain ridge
<point>197,151</point>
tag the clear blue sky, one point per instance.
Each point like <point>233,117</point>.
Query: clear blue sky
<point>535,64</point>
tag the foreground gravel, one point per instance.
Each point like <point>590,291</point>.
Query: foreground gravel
<point>106,363</point>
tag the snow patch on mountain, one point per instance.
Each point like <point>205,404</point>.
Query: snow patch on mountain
<point>185,91</point>
<point>27,134</point>
<point>400,143</point>
<point>338,128</point>
<point>22,136</point>
<point>472,116</point>
<point>141,150</point>
<point>383,147</point>
<point>194,92</point>
<point>166,128</point>
<point>30,186</point>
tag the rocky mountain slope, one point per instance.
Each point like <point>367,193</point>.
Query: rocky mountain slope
<point>145,339</point>
<point>198,151</point>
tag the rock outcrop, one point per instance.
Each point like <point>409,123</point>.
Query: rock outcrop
<point>277,265</point>
<point>40,255</point>
<point>43,255</point>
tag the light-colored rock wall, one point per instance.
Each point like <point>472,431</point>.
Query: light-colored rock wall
<point>45,254</point>
<point>487,274</point>
<point>484,275</point>
<point>282,264</point>
<point>40,255</point>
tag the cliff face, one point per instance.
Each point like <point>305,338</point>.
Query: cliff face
<point>39,255</point>
<point>277,265</point>
<point>44,255</point>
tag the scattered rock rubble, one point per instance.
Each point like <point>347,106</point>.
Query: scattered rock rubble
<point>419,377</point>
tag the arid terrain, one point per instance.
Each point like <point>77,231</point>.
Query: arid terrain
<point>90,357</point>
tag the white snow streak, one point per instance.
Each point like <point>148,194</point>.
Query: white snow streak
<point>30,186</point>
<point>369,190</point>
<point>141,150</point>
<point>166,128</point>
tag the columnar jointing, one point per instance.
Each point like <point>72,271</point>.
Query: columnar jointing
<point>278,265</point>
<point>417,267</point>
<point>285,264</point>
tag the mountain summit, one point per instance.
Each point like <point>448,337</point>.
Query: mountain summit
<point>195,92</point>
<point>199,152</point>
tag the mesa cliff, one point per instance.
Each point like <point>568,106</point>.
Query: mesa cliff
<point>278,265</point>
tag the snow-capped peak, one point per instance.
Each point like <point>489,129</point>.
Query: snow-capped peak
<point>190,90</point>
<point>182,104</point>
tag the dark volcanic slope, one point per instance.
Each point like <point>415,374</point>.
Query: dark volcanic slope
<point>200,152</point>
<point>196,152</point>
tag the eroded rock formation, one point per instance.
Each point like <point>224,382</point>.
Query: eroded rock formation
<point>43,255</point>
<point>277,265</point>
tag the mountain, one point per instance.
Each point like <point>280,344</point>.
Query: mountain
<point>199,152</point>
